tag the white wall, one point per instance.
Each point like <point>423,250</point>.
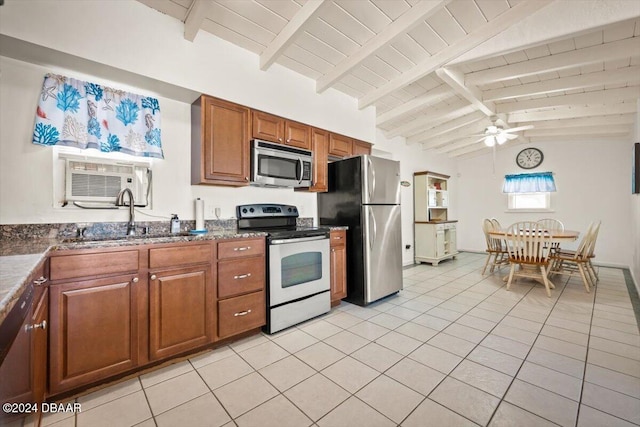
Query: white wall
<point>147,43</point>
<point>635,214</point>
<point>593,181</point>
<point>414,159</point>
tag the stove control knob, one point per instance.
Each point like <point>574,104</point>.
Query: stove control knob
<point>251,210</point>
<point>244,210</point>
<point>295,209</point>
<point>289,209</point>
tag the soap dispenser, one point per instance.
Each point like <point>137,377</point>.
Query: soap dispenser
<point>175,224</point>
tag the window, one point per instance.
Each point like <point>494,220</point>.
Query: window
<point>529,201</point>
<point>529,192</point>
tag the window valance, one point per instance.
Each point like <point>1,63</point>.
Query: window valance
<point>529,183</point>
<point>87,115</point>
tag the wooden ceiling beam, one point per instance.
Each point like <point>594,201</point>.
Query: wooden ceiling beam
<point>561,61</point>
<point>472,94</point>
<point>196,15</point>
<point>289,33</point>
<point>568,113</point>
<point>480,35</point>
<point>412,17</point>
<point>583,81</point>
<point>608,96</point>
<point>431,117</point>
<point>622,119</point>
<point>455,135</point>
<point>449,126</point>
<point>437,94</point>
<point>582,130</point>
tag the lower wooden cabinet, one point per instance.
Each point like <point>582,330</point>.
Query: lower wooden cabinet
<point>94,330</point>
<point>338,261</point>
<point>181,310</point>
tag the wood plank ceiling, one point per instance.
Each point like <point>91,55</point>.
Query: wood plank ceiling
<point>398,56</point>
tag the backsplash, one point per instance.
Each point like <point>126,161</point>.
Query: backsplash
<point>93,229</point>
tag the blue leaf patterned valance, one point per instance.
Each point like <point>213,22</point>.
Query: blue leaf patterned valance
<point>87,115</point>
<point>529,183</point>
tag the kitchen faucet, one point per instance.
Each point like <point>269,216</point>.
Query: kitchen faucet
<point>131,226</point>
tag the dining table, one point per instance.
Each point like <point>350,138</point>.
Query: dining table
<point>555,236</point>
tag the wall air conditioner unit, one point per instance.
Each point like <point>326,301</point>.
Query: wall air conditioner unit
<point>100,181</point>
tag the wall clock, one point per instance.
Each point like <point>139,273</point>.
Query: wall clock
<point>529,158</point>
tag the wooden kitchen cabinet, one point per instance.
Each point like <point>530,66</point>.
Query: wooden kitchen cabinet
<point>280,130</point>
<point>94,330</point>
<point>24,365</point>
<point>220,142</point>
<point>340,145</point>
<point>320,148</point>
<point>360,147</point>
<point>338,265</point>
<point>181,299</point>
<point>241,286</point>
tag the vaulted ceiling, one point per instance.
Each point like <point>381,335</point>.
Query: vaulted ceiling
<point>407,58</point>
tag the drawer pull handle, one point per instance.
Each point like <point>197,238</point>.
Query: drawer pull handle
<point>244,248</point>
<point>338,237</point>
<point>242,276</point>
<point>242,313</point>
<point>40,281</point>
<point>42,325</point>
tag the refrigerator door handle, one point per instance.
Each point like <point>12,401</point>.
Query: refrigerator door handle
<point>372,222</point>
<point>372,172</point>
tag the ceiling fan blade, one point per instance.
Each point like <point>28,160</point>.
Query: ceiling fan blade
<point>478,140</point>
<point>510,136</point>
<point>519,128</point>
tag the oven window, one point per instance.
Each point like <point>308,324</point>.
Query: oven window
<point>301,268</point>
<point>277,167</point>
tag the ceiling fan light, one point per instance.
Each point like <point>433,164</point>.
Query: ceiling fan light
<point>490,141</point>
<point>501,138</point>
<point>492,129</point>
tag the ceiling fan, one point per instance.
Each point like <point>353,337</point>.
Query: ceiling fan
<point>497,134</point>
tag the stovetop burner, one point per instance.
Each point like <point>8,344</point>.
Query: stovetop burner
<point>279,221</point>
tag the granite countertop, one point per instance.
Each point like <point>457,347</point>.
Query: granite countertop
<point>19,257</point>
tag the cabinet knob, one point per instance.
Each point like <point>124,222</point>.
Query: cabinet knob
<point>289,140</point>
<point>280,139</point>
<point>42,325</point>
<point>246,178</point>
<point>40,281</point>
<point>135,280</point>
<point>153,277</point>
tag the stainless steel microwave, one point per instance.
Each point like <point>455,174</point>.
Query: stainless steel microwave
<point>276,165</point>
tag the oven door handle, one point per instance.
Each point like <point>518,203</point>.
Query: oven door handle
<point>297,240</point>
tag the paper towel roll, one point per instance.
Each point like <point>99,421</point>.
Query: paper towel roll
<point>199,214</point>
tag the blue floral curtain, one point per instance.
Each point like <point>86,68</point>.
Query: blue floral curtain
<point>529,183</point>
<point>87,115</point>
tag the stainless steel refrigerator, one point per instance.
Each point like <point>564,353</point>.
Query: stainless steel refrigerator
<point>364,194</point>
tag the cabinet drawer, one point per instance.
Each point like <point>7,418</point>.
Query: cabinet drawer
<point>94,264</point>
<point>237,277</point>
<point>179,255</point>
<point>338,238</point>
<point>240,248</point>
<point>241,314</point>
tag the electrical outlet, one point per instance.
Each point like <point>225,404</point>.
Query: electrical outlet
<point>407,247</point>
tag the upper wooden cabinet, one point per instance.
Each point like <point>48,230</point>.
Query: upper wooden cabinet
<point>360,147</point>
<point>277,129</point>
<point>339,145</point>
<point>220,142</point>
<point>320,148</point>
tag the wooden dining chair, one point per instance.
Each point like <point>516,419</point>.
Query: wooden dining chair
<point>495,248</point>
<point>567,261</point>
<point>528,247</point>
<point>551,224</point>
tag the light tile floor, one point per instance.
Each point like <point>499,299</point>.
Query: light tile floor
<point>454,348</point>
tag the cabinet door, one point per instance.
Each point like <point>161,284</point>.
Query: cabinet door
<point>320,148</point>
<point>94,330</point>
<point>181,310</point>
<point>240,314</point>
<point>361,147</point>
<point>297,135</point>
<point>39,346</point>
<point>220,150</point>
<point>453,245</point>
<point>267,126</point>
<point>338,259</point>
<point>440,243</point>
<point>339,145</point>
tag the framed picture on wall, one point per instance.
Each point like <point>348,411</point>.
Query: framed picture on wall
<point>635,180</point>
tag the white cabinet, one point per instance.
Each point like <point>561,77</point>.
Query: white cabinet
<point>434,232</point>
